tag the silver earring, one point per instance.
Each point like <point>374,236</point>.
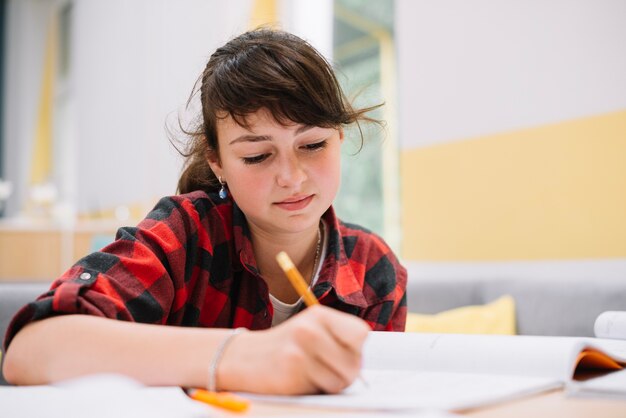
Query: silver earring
<point>223,193</point>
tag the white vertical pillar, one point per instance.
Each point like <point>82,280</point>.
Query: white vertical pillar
<point>310,20</point>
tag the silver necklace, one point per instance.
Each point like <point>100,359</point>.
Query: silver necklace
<point>318,249</point>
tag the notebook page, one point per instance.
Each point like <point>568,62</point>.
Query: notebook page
<point>531,356</point>
<point>395,390</point>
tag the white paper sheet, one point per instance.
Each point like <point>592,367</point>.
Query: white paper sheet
<point>102,396</point>
<point>408,371</point>
<point>420,414</point>
<point>610,386</point>
<point>394,390</point>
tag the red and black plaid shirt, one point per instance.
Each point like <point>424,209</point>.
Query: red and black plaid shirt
<point>190,263</point>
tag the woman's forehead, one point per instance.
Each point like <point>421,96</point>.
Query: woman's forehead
<point>260,119</point>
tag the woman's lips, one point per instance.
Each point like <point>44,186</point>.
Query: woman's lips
<point>295,203</point>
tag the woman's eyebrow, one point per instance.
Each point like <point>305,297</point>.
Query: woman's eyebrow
<point>250,138</point>
<point>259,138</point>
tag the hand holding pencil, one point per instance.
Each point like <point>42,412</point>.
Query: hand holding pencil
<point>297,281</point>
<point>316,351</point>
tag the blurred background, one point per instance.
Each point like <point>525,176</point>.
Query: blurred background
<point>504,152</point>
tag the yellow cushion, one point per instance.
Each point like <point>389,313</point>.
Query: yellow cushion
<point>497,317</point>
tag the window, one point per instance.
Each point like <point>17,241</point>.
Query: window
<point>365,62</point>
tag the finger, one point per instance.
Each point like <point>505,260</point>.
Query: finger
<point>325,378</point>
<point>336,364</point>
<point>329,366</point>
<point>351,331</point>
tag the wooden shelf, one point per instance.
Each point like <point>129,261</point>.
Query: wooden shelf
<point>41,251</point>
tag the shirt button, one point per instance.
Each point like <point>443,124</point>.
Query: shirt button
<point>85,276</point>
<point>265,313</point>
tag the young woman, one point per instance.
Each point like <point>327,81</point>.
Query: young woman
<point>263,169</point>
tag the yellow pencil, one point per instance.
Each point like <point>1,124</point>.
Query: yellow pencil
<point>297,281</point>
<point>224,400</point>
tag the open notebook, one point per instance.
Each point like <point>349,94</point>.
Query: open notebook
<point>458,372</point>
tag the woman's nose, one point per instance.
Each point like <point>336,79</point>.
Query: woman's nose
<point>290,172</point>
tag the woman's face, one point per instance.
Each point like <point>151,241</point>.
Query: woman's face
<point>282,177</point>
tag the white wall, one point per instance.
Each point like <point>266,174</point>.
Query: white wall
<point>470,68</point>
<point>470,74</point>
<point>22,84</point>
<point>135,64</point>
<point>310,20</point>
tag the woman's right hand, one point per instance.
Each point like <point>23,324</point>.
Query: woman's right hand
<point>317,350</point>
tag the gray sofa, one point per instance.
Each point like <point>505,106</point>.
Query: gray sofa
<point>543,307</point>
<point>565,307</point>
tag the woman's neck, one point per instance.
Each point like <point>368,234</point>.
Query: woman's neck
<point>303,248</point>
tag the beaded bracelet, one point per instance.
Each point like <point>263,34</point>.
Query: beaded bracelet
<point>212,380</point>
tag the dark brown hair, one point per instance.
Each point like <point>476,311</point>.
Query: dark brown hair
<point>263,68</point>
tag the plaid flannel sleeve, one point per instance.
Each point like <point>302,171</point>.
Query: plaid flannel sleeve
<point>379,275</point>
<point>140,277</point>
<point>387,278</point>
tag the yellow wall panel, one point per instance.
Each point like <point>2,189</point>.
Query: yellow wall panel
<point>551,192</point>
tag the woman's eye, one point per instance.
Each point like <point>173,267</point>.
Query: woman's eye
<point>256,159</point>
<point>315,146</point>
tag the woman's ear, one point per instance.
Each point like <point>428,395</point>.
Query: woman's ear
<point>214,162</point>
